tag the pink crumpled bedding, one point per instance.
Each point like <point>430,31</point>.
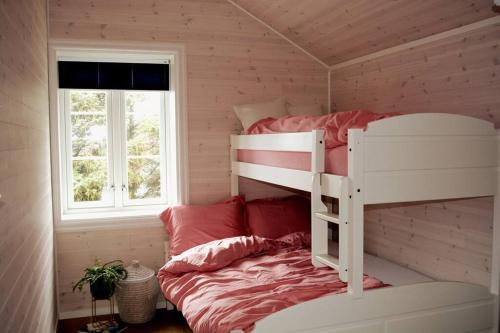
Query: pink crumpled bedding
<point>334,124</point>
<point>231,283</point>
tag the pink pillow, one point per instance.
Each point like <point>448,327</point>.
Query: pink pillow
<point>192,225</point>
<point>273,218</point>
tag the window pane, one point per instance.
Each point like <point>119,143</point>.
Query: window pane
<point>143,123</point>
<point>89,146</point>
<point>144,178</point>
<point>89,135</point>
<point>88,101</point>
<point>89,180</point>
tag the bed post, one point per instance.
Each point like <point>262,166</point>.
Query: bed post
<point>319,227</point>
<point>356,228</point>
<point>495,260</point>
<point>233,157</point>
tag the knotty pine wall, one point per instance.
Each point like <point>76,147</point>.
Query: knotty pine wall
<point>231,59</point>
<point>461,74</point>
<point>27,279</point>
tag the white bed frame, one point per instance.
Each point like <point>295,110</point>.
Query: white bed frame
<point>401,159</point>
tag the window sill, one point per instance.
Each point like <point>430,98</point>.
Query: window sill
<point>79,222</point>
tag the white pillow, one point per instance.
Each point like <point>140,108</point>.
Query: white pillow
<point>305,110</point>
<point>248,114</point>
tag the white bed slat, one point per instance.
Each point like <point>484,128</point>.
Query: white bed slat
<point>301,142</point>
<point>330,217</point>
<point>297,179</point>
<point>328,260</point>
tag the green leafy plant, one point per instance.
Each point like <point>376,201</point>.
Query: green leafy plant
<point>102,278</point>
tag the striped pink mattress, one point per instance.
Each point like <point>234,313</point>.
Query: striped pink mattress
<point>335,159</point>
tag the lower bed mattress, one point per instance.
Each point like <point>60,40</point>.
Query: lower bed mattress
<point>335,159</point>
<point>230,284</point>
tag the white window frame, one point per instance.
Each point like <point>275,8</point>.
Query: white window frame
<point>116,156</point>
<point>66,150</point>
<point>176,150</point>
<point>164,155</point>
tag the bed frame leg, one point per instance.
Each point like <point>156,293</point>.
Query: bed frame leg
<point>356,227</point>
<point>345,219</point>
<point>355,273</point>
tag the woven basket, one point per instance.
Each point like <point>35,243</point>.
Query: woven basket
<point>137,294</point>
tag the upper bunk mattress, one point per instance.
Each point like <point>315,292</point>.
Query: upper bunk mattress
<point>335,159</point>
<point>335,126</point>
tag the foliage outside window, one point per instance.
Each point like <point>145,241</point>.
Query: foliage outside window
<point>115,148</point>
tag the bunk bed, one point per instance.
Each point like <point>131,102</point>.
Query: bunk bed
<point>406,158</point>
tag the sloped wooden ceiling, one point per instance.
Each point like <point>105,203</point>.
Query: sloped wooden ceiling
<point>338,30</point>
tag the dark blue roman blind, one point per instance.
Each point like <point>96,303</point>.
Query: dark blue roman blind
<point>112,75</point>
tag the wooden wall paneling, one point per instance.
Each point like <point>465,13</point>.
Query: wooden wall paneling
<point>455,75</point>
<point>231,59</point>
<point>77,250</point>
<point>26,227</point>
<point>449,240</point>
<point>336,31</point>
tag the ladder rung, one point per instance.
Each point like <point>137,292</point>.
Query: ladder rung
<point>328,260</point>
<point>333,218</point>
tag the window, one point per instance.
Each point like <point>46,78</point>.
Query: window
<point>118,148</point>
<point>115,148</point>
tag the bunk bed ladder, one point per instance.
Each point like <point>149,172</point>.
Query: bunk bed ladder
<point>320,216</point>
<point>339,263</point>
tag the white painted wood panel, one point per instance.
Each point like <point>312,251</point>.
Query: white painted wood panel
<point>419,185</point>
<point>431,124</point>
<point>331,185</point>
<point>470,319</point>
<point>417,300</point>
<point>27,287</point>
<point>355,160</point>
<point>376,327</point>
<point>301,142</point>
<point>296,179</point>
<point>429,152</point>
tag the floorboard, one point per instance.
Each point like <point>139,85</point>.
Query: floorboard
<point>164,322</point>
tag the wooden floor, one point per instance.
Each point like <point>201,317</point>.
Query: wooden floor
<point>164,322</point>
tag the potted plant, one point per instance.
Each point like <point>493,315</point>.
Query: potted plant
<point>102,279</point>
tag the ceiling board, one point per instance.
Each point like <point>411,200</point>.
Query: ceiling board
<point>339,30</point>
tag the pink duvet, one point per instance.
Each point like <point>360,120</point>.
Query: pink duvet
<point>334,124</point>
<point>232,283</point>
